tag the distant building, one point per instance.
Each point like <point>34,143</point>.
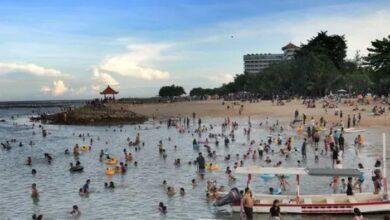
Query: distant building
<point>256,63</point>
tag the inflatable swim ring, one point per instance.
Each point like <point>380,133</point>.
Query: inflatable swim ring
<point>111,161</point>
<point>76,169</point>
<point>267,176</point>
<point>84,148</point>
<point>277,191</point>
<point>110,171</point>
<point>211,166</point>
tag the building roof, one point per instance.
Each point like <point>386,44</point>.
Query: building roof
<point>289,46</point>
<point>109,91</point>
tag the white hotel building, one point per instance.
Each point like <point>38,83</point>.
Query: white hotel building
<point>256,63</point>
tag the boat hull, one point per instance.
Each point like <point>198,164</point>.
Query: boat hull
<point>322,209</point>
<point>326,204</point>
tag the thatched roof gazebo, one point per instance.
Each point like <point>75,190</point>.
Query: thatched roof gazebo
<point>109,91</point>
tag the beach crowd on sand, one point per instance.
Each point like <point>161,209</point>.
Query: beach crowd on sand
<point>314,134</point>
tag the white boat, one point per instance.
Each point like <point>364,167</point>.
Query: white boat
<point>316,204</point>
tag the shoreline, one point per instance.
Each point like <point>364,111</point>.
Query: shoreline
<point>214,108</point>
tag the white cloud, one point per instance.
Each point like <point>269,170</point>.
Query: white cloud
<point>80,91</point>
<point>29,68</point>
<point>137,62</point>
<point>59,88</point>
<point>45,89</point>
<point>220,78</point>
<point>102,79</point>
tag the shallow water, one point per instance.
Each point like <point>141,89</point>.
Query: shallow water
<point>139,191</point>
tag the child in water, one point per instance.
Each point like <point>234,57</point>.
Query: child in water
<point>162,208</point>
<point>75,211</point>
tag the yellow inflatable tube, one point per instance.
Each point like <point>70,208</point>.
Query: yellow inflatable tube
<point>110,171</point>
<point>211,166</point>
<point>84,148</point>
<point>112,161</point>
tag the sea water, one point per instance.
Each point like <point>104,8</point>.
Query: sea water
<point>139,191</point>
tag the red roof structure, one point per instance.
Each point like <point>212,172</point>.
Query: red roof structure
<point>289,46</point>
<point>109,91</point>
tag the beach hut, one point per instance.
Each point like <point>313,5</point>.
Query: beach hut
<point>109,93</point>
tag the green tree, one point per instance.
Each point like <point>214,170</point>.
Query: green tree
<point>171,91</point>
<point>334,47</point>
<point>202,92</point>
<point>379,60</point>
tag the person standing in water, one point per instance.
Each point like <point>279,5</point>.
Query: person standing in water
<point>358,214</point>
<point>341,142</point>
<point>201,164</point>
<point>303,149</point>
<point>75,211</point>
<point>349,187</point>
<point>34,191</point>
<point>248,203</point>
<point>274,211</point>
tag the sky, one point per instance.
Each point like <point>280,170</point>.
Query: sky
<point>72,49</point>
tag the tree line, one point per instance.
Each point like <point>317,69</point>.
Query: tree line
<point>318,67</point>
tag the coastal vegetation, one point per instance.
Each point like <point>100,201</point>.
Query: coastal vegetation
<point>319,67</point>
<point>171,91</point>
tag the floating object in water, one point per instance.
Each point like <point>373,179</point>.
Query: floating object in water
<point>76,169</point>
<point>211,166</point>
<point>111,161</point>
<point>85,148</point>
<point>267,176</point>
<point>110,171</point>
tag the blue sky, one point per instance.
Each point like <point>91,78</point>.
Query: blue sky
<point>71,49</point>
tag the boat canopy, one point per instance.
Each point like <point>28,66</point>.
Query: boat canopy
<point>271,170</point>
<point>297,171</point>
<point>333,172</point>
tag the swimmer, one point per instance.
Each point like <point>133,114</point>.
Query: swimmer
<point>162,208</point>
<point>86,186</point>
<point>182,192</point>
<point>35,217</point>
<point>111,185</point>
<point>171,191</point>
<point>81,192</point>
<point>75,211</point>
<point>193,182</point>
<point>29,161</point>
<point>33,172</point>
<point>34,191</point>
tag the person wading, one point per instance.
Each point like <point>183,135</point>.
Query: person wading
<point>248,203</point>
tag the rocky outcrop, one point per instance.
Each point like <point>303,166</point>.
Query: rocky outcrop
<point>93,115</point>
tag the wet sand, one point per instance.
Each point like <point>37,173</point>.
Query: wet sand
<point>214,108</point>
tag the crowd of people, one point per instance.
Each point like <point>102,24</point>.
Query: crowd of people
<point>318,138</point>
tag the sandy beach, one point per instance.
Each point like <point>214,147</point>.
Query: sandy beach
<point>214,108</point>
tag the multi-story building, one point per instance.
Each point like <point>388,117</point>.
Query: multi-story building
<point>256,63</point>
